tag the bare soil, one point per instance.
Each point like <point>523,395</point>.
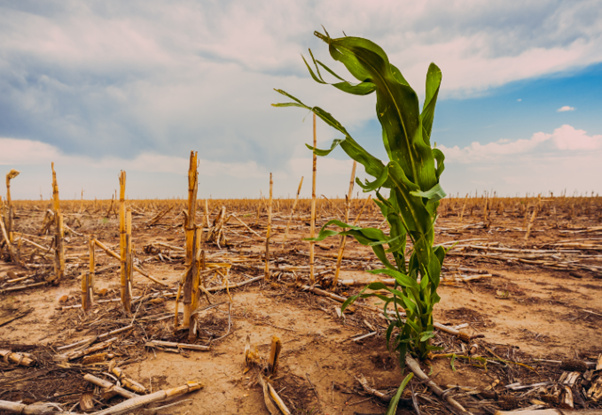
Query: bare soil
<point>534,301</point>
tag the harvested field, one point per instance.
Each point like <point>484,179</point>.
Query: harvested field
<point>523,279</point>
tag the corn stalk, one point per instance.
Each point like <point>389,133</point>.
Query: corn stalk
<point>10,214</point>
<point>407,185</point>
<point>59,247</point>
<point>125,245</point>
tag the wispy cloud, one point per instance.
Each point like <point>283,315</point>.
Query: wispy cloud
<point>565,109</point>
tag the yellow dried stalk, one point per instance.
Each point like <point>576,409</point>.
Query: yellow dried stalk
<point>216,233</point>
<point>96,358</point>
<point>59,262</point>
<point>312,230</point>
<point>191,278</point>
<point>251,354</point>
<point>6,238</point>
<point>268,233</point>
<point>86,292</point>
<point>125,292</point>
<point>192,286</point>
<point>486,209</point>
<point>9,220</point>
<point>274,404</point>
<point>199,259</point>
<point>532,220</point>
<point>134,267</point>
<point>129,249</point>
<point>109,387</point>
<point>161,343</point>
<point>139,401</point>
<point>206,214</point>
<point>127,382</point>
<point>243,224</point>
<point>90,350</point>
<point>107,215</point>
<point>91,268</point>
<point>192,195</point>
<point>274,354</point>
<point>17,358</point>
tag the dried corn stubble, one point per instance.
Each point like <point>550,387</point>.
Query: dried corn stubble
<point>21,359</point>
<point>265,370</point>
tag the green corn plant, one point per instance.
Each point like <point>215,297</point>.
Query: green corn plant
<point>407,186</point>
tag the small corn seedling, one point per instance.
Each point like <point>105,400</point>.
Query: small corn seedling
<point>407,186</point>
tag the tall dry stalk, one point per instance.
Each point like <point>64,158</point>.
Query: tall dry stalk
<point>312,230</point>
<point>193,240</point>
<point>59,247</point>
<point>123,244</point>
<point>129,252</point>
<point>344,237</point>
<point>268,233</point>
<point>9,206</point>
<point>190,226</point>
<point>88,278</point>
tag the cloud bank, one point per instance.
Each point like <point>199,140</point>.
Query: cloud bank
<point>568,159</point>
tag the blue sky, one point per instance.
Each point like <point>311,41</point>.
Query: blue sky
<point>103,86</point>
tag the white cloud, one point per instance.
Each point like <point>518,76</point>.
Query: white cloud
<point>477,152</point>
<point>25,152</point>
<point>565,109</point>
<point>568,160</point>
<point>564,138</point>
<point>569,138</point>
<point>151,175</point>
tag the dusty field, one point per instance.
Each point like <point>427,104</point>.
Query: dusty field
<point>533,299</point>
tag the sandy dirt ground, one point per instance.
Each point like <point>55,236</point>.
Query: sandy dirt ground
<point>530,306</point>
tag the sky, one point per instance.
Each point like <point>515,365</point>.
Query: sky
<point>102,86</point>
